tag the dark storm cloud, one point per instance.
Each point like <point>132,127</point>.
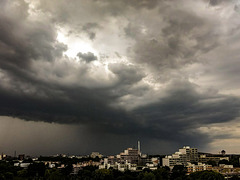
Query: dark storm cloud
<point>139,4</point>
<point>186,36</point>
<point>72,12</point>
<point>117,7</point>
<point>22,41</point>
<point>88,57</point>
<point>215,2</point>
<point>39,83</point>
<point>183,110</point>
<point>83,106</point>
<point>127,74</point>
<point>237,8</point>
<point>90,29</point>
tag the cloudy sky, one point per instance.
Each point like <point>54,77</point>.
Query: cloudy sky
<point>98,75</point>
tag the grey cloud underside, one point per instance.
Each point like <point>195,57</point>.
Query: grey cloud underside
<point>90,29</point>
<point>88,57</point>
<point>62,92</point>
<point>181,111</point>
<point>177,44</point>
<point>215,2</point>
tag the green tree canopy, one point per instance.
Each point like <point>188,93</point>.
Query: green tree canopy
<point>206,175</point>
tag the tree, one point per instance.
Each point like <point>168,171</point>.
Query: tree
<point>179,171</point>
<point>211,162</point>
<point>117,173</point>
<point>103,174</point>
<point>161,174</point>
<point>67,169</point>
<point>85,174</point>
<point>234,161</point>
<point>2,177</point>
<point>234,177</point>
<point>9,175</point>
<point>148,176</point>
<point>203,175</point>
<point>22,173</point>
<point>36,169</point>
<point>224,161</point>
<point>54,174</point>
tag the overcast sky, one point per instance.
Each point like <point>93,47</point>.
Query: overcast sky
<point>99,75</point>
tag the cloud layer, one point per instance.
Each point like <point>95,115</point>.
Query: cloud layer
<point>150,70</point>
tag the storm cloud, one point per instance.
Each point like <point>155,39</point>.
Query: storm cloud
<point>88,57</point>
<point>156,71</point>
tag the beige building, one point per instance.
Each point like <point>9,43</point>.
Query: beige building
<point>182,157</point>
<point>205,159</point>
<point>199,167</point>
<point>129,155</point>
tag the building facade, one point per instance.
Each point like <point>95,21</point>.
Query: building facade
<point>184,156</point>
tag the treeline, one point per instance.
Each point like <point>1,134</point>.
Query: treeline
<point>40,171</point>
<point>178,173</point>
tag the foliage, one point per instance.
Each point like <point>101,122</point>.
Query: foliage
<point>179,171</point>
<point>54,174</point>
<point>67,169</point>
<point>224,161</point>
<point>7,170</point>
<point>162,173</point>
<point>22,173</point>
<point>103,174</point>
<point>234,160</point>
<point>148,176</point>
<point>235,177</point>
<point>203,175</point>
<point>40,171</point>
<point>211,162</point>
<point>36,169</point>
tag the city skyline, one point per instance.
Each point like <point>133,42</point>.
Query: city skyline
<point>83,76</point>
<point>93,154</point>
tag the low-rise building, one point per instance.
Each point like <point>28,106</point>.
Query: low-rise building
<point>204,158</point>
<point>130,155</point>
<point>199,167</point>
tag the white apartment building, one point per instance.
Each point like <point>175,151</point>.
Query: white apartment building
<point>182,157</point>
<point>119,166</point>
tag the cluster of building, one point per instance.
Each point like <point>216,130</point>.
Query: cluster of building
<point>60,165</point>
<point>195,161</point>
<point>187,156</point>
<point>131,159</point>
